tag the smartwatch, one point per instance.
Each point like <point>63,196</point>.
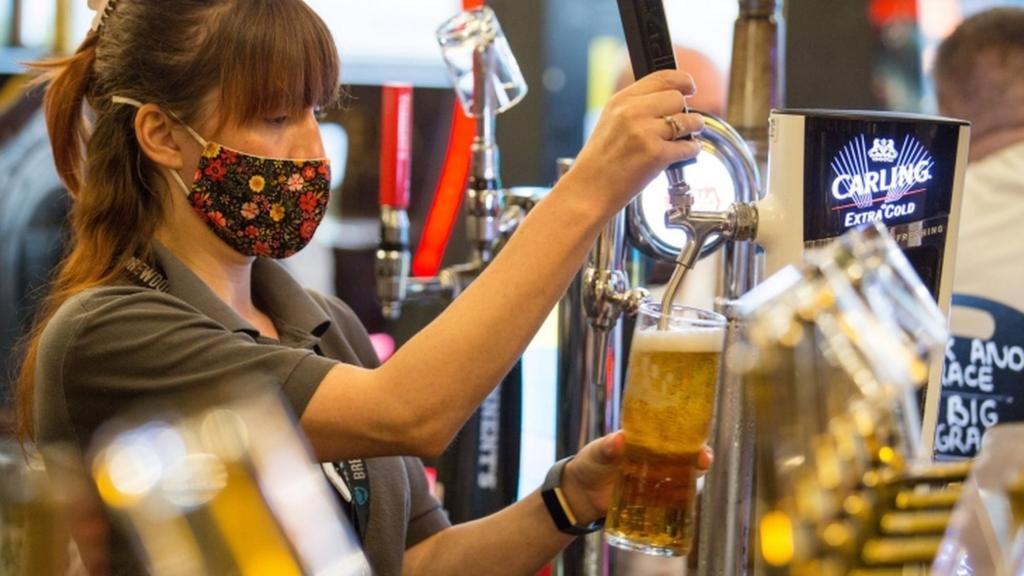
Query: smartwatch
<point>558,505</point>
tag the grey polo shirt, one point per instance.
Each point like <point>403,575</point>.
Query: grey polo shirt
<point>110,346</point>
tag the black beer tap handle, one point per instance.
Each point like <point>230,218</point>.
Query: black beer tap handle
<point>649,42</point>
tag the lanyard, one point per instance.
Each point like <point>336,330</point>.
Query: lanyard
<point>353,472</point>
<point>357,477</point>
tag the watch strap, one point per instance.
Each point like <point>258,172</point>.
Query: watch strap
<point>558,506</point>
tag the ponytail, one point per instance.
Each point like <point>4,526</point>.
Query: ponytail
<point>69,80</point>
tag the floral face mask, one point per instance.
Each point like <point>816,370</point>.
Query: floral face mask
<point>258,206</point>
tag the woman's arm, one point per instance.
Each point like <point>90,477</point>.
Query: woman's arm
<point>520,539</point>
<point>418,400</point>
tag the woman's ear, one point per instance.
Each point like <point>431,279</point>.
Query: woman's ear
<point>160,137</point>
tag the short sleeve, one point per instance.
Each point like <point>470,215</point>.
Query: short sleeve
<point>109,347</point>
<point>426,517</point>
<point>352,332</point>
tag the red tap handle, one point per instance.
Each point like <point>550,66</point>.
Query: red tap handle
<point>395,145</point>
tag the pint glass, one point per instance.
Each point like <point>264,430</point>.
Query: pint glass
<point>668,403</point>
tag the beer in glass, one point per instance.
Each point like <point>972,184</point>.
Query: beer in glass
<point>668,403</point>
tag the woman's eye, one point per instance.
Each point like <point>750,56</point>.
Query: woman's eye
<point>319,113</point>
<point>277,120</point>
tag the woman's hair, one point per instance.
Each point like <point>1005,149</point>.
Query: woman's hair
<point>254,58</point>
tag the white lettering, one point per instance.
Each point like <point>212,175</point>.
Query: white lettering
<point>985,380</point>
<point>490,434</point>
<point>358,470</point>
<point>957,413</point>
<point>922,173</point>
<point>876,182</point>
<point>978,353</point>
<point>891,211</point>
<point>971,412</point>
<point>837,191</point>
<point>857,218</point>
<point>953,439</point>
<point>967,417</point>
<point>954,375</point>
<point>992,351</point>
<point>1002,357</point>
<point>1015,358</point>
<point>871,181</point>
<point>978,377</point>
<point>883,213</point>
<point>988,415</point>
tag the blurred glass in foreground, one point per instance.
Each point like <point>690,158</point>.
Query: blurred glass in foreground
<point>222,484</point>
<point>33,537</point>
<point>832,352</point>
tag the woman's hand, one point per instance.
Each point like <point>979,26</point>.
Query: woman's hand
<point>633,142</point>
<point>590,478</point>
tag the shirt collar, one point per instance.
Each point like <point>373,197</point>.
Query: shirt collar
<point>274,289</point>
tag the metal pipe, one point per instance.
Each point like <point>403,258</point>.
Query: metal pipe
<point>487,227</point>
<point>727,510</point>
<point>755,75</point>
<point>392,258</point>
<point>483,194</point>
<point>591,362</point>
<point>584,556</point>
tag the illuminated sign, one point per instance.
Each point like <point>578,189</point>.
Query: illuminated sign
<point>860,168</point>
<point>877,183</point>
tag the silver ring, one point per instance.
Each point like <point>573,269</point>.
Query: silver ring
<point>677,130</point>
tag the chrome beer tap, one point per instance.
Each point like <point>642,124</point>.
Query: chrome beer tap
<point>601,294</point>
<point>484,198</point>
<point>606,297</point>
<point>392,258</point>
<point>734,224</point>
<point>487,82</point>
<point>394,285</point>
<point>727,499</point>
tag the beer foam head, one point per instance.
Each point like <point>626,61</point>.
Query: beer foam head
<point>689,340</point>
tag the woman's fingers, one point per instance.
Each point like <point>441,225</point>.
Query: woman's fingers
<point>705,459</point>
<point>659,104</point>
<point>662,80</point>
<point>633,141</point>
<point>680,125</point>
<point>613,448</point>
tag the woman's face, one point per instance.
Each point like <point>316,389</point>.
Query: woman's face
<point>294,136</point>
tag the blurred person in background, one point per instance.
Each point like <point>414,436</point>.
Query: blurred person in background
<point>186,133</point>
<point>979,76</point>
<point>711,96</point>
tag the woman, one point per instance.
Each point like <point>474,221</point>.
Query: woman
<point>170,284</point>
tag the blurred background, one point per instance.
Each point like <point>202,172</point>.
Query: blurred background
<point>854,54</point>
<point>862,54</point>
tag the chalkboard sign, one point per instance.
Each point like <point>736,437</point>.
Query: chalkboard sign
<point>982,379</point>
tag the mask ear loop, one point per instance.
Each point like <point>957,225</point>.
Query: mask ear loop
<point>195,135</point>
